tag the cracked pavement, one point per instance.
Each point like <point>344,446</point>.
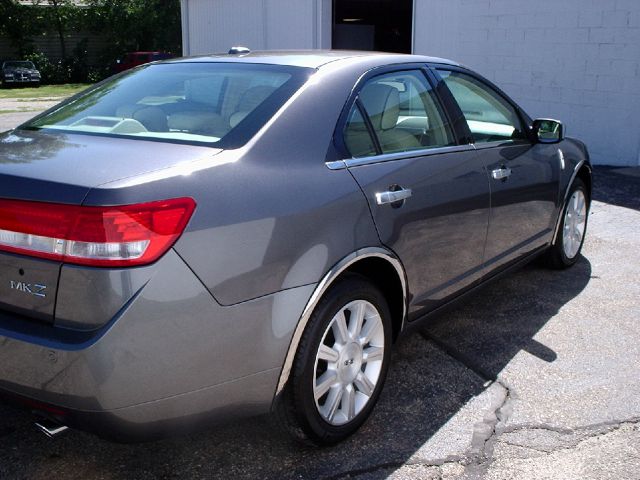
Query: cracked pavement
<point>535,376</point>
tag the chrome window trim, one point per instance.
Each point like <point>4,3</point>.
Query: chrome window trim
<point>501,143</point>
<point>425,152</point>
<point>390,157</point>
<point>323,286</point>
<point>336,165</point>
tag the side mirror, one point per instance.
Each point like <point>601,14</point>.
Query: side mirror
<point>548,131</point>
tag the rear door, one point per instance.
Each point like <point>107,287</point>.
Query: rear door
<point>524,175</point>
<point>429,195</point>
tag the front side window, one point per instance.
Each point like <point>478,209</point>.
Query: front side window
<point>218,103</point>
<point>489,116</point>
<point>403,114</point>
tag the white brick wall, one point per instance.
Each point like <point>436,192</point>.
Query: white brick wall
<point>210,26</point>
<point>575,60</point>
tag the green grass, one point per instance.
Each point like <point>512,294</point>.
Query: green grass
<point>44,91</point>
<point>18,110</point>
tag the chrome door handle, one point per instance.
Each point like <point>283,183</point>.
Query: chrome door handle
<point>393,196</point>
<point>501,173</point>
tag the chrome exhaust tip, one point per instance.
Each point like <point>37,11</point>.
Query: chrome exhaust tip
<point>51,429</point>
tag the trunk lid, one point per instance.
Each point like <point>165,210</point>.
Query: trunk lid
<point>63,168</point>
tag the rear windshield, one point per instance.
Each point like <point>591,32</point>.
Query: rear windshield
<point>223,104</point>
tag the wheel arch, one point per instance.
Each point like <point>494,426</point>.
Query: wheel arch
<point>582,171</point>
<point>377,264</point>
<point>584,174</point>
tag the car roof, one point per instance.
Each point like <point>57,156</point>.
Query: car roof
<point>309,58</point>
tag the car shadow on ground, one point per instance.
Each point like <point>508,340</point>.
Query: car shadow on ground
<point>616,186</point>
<point>426,387</point>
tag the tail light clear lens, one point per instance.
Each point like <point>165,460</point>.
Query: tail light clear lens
<point>118,236</point>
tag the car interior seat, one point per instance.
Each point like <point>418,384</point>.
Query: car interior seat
<point>198,122</point>
<point>153,118</point>
<point>382,103</point>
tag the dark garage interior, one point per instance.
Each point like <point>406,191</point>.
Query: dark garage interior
<point>382,25</point>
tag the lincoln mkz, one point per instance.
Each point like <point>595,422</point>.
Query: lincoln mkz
<point>215,237</point>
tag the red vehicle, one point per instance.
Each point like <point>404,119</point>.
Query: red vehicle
<point>133,59</point>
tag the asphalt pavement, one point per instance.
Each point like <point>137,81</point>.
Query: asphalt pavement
<point>534,377</point>
<point>14,111</point>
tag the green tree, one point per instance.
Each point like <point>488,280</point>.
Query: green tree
<point>126,25</point>
<point>18,25</point>
<point>138,24</point>
<point>63,15</point>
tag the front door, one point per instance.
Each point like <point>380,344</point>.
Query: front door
<point>429,196</point>
<point>523,175</point>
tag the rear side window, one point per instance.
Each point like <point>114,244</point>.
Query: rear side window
<point>218,103</point>
<point>490,117</point>
<point>357,137</point>
<point>403,115</point>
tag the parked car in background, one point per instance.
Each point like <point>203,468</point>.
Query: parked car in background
<point>133,59</point>
<point>208,238</point>
<point>21,73</point>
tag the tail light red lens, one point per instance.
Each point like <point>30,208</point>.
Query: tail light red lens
<point>119,236</point>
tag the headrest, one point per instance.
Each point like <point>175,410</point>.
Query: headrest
<point>382,103</point>
<point>153,118</point>
<point>249,102</point>
<point>254,97</point>
<point>127,111</point>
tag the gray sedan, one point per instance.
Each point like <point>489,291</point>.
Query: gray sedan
<point>206,238</point>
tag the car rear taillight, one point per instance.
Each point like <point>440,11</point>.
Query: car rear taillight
<point>118,236</point>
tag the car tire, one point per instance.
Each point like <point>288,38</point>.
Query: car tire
<point>340,366</point>
<point>565,251</point>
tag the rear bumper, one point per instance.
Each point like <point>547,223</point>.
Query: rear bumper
<point>161,418</point>
<point>171,359</point>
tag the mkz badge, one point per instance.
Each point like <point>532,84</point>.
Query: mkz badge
<point>31,288</point>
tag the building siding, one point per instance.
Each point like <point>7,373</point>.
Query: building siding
<point>575,60</point>
<point>211,26</point>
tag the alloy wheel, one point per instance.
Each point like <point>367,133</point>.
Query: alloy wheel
<point>575,221</point>
<point>348,362</point>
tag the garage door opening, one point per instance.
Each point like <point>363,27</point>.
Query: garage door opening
<point>382,25</point>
